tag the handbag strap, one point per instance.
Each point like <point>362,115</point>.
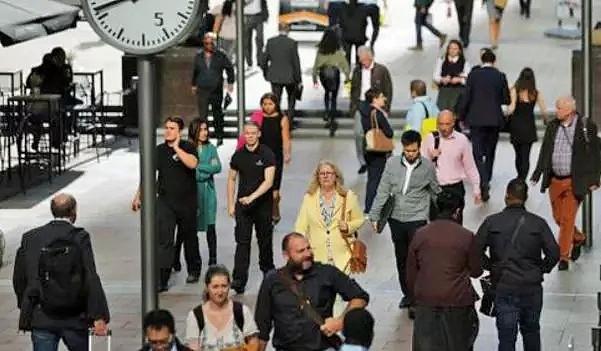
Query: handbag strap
<point>348,243</point>
<point>303,301</point>
<point>374,119</point>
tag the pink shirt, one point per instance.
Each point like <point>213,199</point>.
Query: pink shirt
<point>456,161</point>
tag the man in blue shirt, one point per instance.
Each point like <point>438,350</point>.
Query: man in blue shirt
<point>421,108</point>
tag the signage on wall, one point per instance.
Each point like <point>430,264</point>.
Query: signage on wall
<point>304,15</point>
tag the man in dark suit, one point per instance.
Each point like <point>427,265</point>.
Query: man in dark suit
<point>481,107</point>
<point>281,66</point>
<point>379,78</point>
<point>39,308</point>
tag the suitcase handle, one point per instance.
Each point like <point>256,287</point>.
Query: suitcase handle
<point>92,336</point>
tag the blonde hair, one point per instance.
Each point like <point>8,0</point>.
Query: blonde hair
<point>338,183</point>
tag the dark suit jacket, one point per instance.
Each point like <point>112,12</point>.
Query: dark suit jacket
<point>26,273</point>
<point>586,163</point>
<point>486,90</point>
<point>211,78</point>
<point>380,78</point>
<point>280,61</point>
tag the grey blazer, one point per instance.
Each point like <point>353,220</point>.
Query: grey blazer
<point>280,61</point>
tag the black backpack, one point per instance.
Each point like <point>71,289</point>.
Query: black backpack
<point>62,277</point>
<point>238,316</point>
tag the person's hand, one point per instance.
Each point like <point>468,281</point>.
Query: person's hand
<point>434,153</point>
<point>477,199</point>
<point>423,9</point>
<point>445,80</point>
<point>175,143</point>
<point>100,327</point>
<point>343,227</point>
<point>246,200</point>
<point>593,187</point>
<point>456,80</point>
<point>193,91</point>
<point>230,88</point>
<point>136,204</point>
<point>287,158</point>
<point>374,225</point>
<point>231,210</point>
<point>331,326</point>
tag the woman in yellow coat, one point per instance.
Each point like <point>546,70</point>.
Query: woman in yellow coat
<point>321,220</point>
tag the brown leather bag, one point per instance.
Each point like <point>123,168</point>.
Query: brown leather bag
<point>358,261</point>
<point>375,139</point>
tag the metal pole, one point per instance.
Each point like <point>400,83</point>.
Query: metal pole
<point>240,63</point>
<point>146,123</point>
<point>587,101</point>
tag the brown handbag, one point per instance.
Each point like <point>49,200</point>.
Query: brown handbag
<point>375,139</point>
<point>358,261</point>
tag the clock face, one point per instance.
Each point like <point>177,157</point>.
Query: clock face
<point>142,26</point>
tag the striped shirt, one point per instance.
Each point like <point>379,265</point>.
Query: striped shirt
<point>561,161</point>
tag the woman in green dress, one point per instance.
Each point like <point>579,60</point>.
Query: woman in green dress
<point>208,166</point>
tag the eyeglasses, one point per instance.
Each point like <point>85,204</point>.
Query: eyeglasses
<point>325,174</point>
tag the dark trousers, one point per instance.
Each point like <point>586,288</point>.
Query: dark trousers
<point>402,234</point>
<point>184,219</point>
<point>464,17</point>
<point>522,159</point>
<point>258,216</point>
<point>348,48</point>
<point>373,12</point>
<point>457,188</point>
<point>421,20</point>
<point>47,340</point>
<point>525,7</point>
<point>521,311</point>
<point>331,85</point>
<point>445,328</point>
<point>375,168</point>
<point>211,242</point>
<point>484,147</point>
<point>253,22</point>
<point>204,98</point>
<point>290,94</point>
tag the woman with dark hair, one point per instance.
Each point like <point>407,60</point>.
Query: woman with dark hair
<point>450,75</point>
<point>220,323</point>
<point>329,61</point>
<point>353,24</point>
<point>522,124</point>
<point>225,27</point>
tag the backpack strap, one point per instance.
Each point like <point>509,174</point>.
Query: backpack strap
<point>436,135</point>
<point>239,315</point>
<point>425,109</point>
<point>200,319</point>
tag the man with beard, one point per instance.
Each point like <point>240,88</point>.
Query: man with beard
<point>298,299</point>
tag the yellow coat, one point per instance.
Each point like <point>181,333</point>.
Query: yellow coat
<point>310,223</point>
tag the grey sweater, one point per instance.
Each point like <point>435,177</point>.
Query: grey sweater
<point>414,204</point>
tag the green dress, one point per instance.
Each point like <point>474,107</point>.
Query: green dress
<point>208,166</point>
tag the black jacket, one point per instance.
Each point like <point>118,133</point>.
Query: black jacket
<point>280,61</point>
<point>486,90</point>
<point>211,78</point>
<point>524,270</point>
<point>586,162</point>
<point>353,24</point>
<point>26,273</point>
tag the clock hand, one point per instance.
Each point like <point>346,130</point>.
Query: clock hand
<point>110,4</point>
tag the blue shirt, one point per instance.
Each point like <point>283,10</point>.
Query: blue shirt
<point>417,112</point>
<point>346,347</point>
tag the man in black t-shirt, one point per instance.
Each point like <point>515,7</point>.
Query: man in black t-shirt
<point>176,162</point>
<point>253,167</point>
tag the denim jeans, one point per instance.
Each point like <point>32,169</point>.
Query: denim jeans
<point>523,311</point>
<point>47,340</point>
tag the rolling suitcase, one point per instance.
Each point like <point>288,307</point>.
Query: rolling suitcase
<point>92,338</point>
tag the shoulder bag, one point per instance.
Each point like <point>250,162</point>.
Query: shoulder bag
<point>357,263</point>
<point>375,139</point>
<point>304,304</point>
<point>488,284</point>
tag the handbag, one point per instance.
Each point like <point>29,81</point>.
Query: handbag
<point>375,139</point>
<point>357,263</point>
<point>304,304</point>
<point>488,284</point>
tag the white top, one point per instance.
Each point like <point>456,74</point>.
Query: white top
<point>228,26</point>
<point>438,68</point>
<point>365,80</point>
<point>212,339</point>
<point>253,7</point>
<point>368,2</point>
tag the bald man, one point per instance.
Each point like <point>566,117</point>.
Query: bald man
<point>570,166</point>
<point>51,311</point>
<point>451,153</point>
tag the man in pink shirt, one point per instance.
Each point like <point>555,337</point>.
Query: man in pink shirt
<point>451,153</point>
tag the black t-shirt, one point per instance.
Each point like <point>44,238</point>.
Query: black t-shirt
<point>251,166</point>
<point>177,183</point>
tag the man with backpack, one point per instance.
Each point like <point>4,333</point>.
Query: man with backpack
<point>451,153</point>
<point>58,290</point>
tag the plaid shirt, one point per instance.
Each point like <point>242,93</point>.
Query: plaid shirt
<point>562,149</point>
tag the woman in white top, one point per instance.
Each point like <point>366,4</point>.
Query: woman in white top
<point>222,329</point>
<point>225,26</point>
<point>450,75</point>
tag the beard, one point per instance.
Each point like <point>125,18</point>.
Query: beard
<point>299,267</point>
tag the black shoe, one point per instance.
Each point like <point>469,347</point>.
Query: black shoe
<point>412,313</point>
<point>362,170</point>
<point>176,266</point>
<point>193,278</point>
<point>405,302</point>
<point>485,193</point>
<point>563,265</point>
<point>576,252</point>
<point>238,288</point>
